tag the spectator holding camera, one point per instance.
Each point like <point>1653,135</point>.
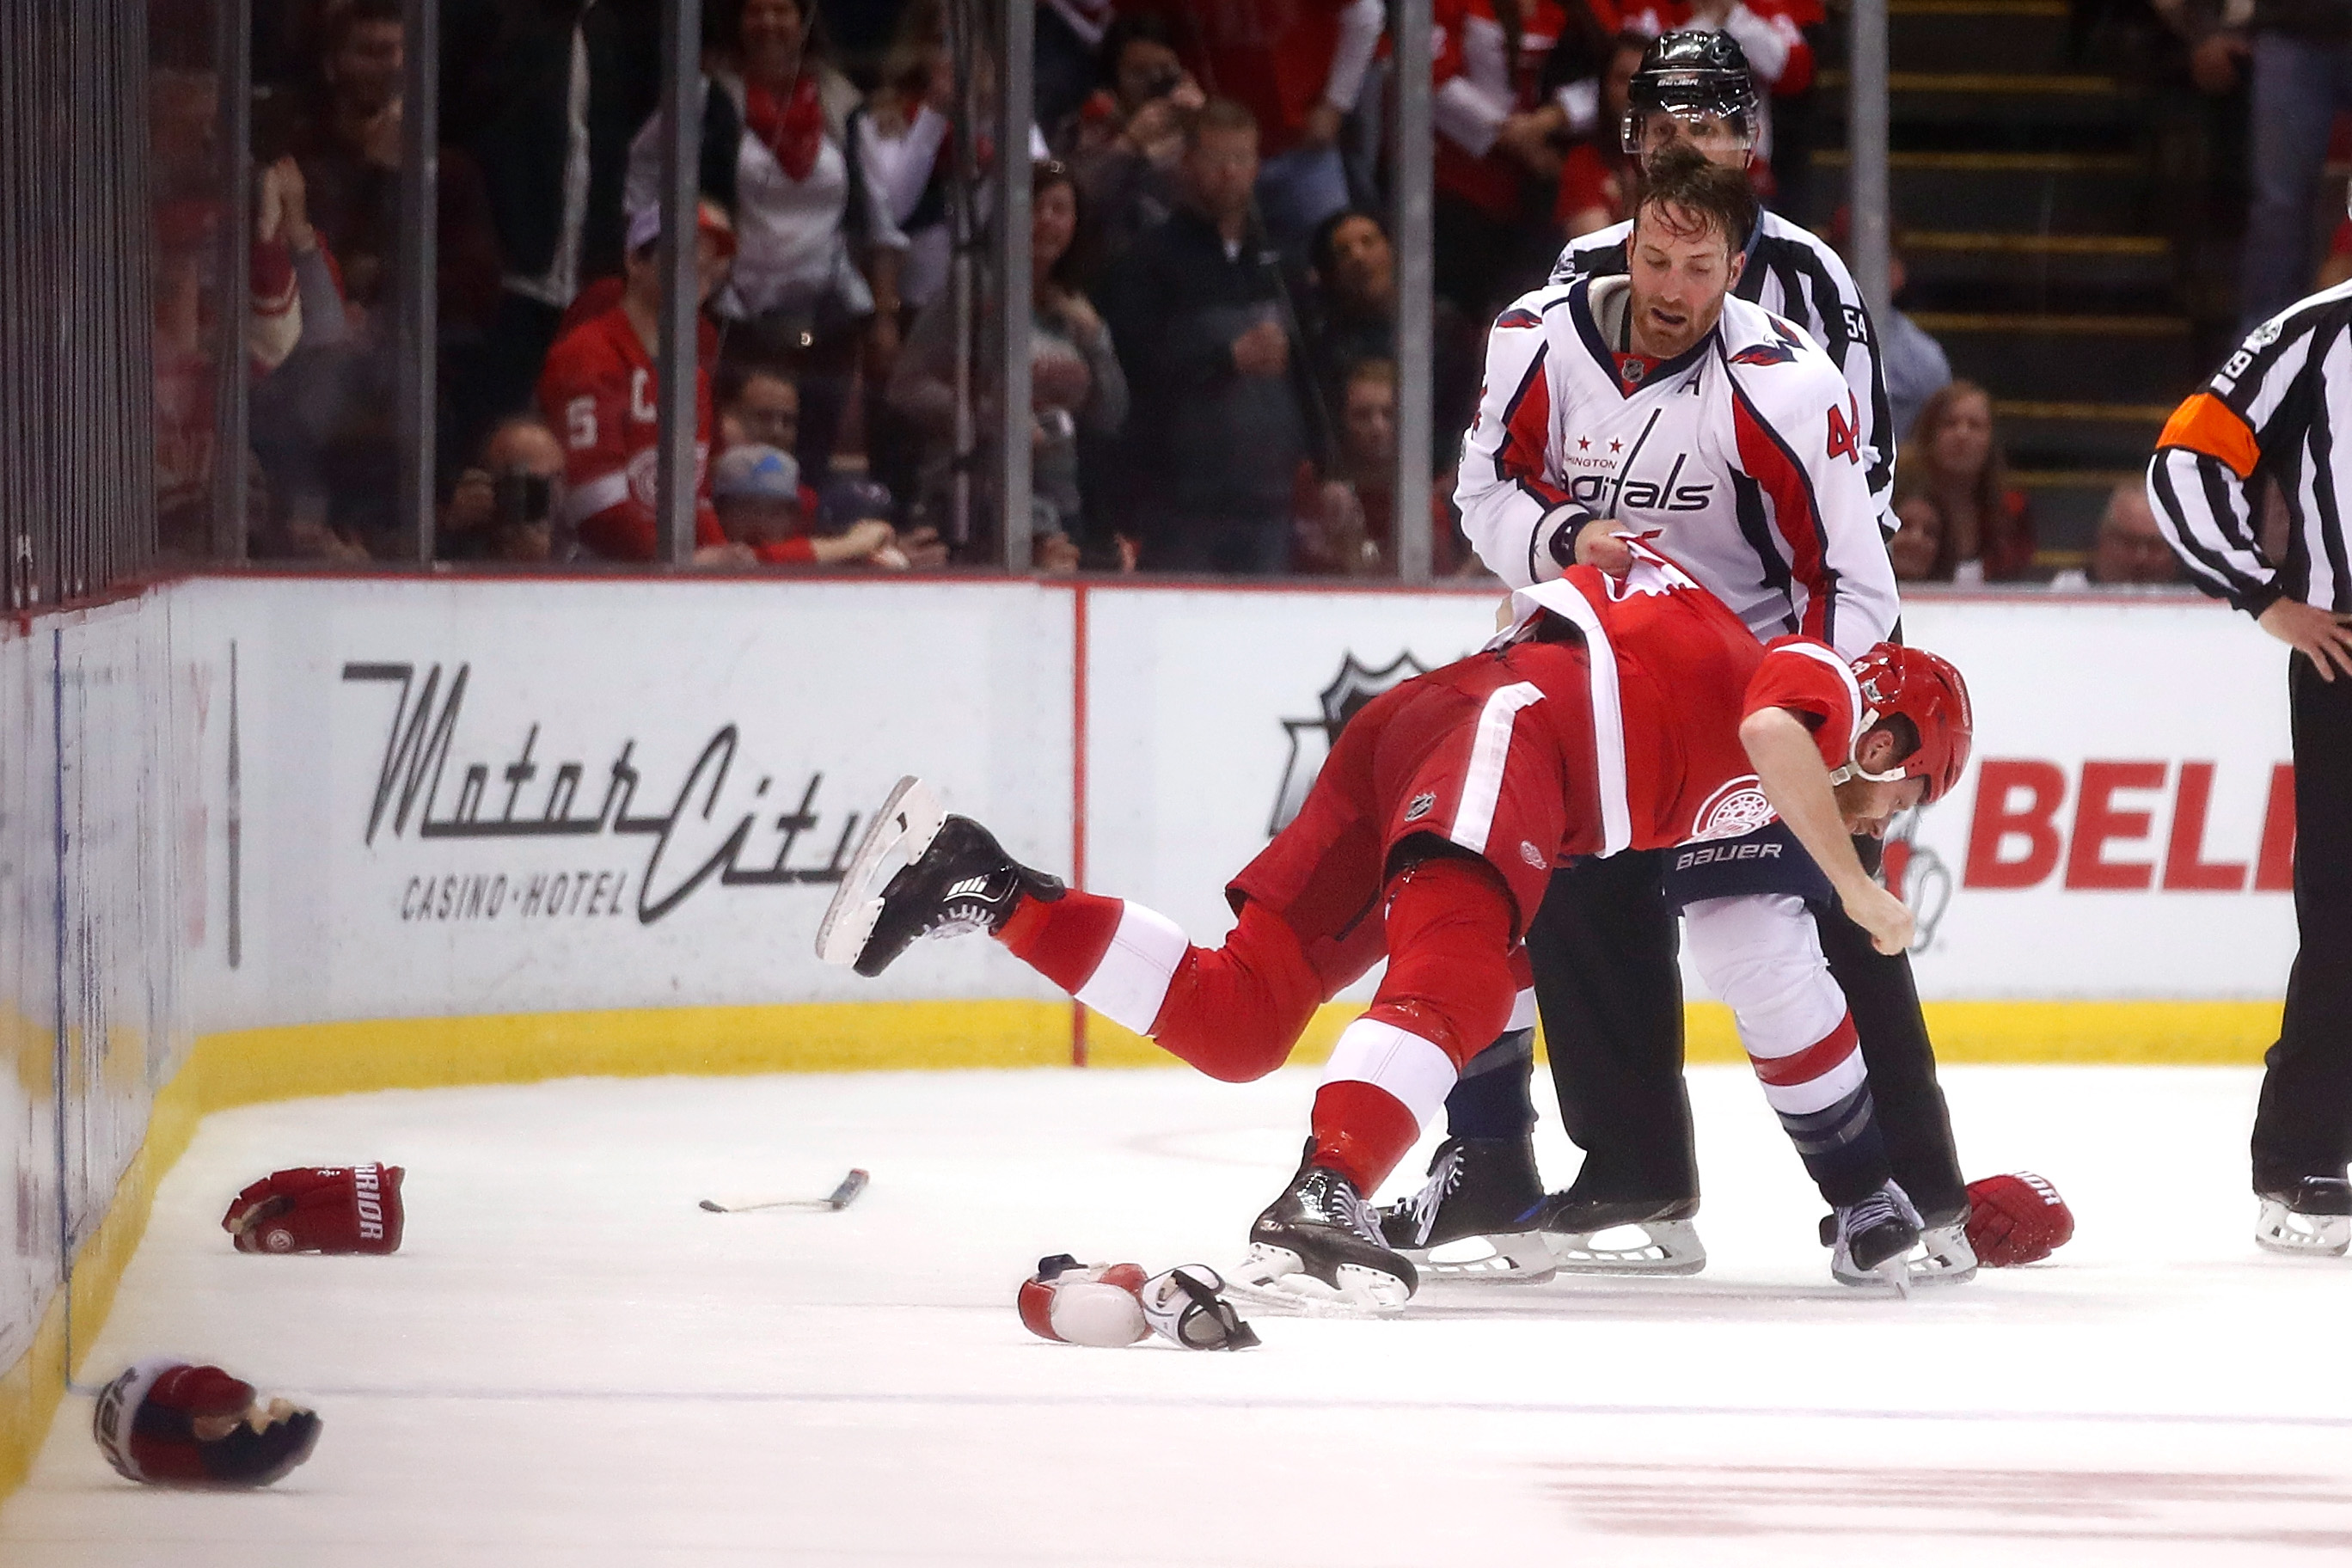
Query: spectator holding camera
<point>1296,69</point>
<point>503,508</point>
<point>1127,138</point>
<point>600,391</point>
<point>1198,312</point>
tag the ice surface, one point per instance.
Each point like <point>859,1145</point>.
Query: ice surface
<point>570,1363</point>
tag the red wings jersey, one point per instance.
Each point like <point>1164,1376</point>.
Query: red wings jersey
<point>1741,458</point>
<point>597,392</point>
<point>1672,672</point>
<point>1478,86</point>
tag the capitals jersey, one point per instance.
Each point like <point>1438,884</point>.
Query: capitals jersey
<point>597,392</point>
<point>1672,674</point>
<point>1792,272</point>
<point>1742,457</point>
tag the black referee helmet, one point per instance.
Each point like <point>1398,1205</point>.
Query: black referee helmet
<point>1696,77</point>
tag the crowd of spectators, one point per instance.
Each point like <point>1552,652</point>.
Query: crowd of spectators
<point>1213,302</point>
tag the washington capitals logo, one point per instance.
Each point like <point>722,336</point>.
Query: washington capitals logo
<point>1311,740</point>
<point>1782,349</point>
<point>1518,316</point>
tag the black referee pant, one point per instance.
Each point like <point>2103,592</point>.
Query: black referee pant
<point>1604,946</point>
<point>2304,1125</point>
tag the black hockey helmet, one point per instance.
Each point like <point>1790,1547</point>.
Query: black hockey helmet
<point>1692,75</point>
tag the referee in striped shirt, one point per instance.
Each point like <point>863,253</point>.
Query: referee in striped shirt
<point>2270,414</point>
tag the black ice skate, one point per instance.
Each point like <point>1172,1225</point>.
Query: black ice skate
<point>1652,1235</point>
<point>1874,1241</point>
<point>1318,1245</point>
<point>2310,1217</point>
<point>952,876</point>
<point>1479,1190</point>
<point>1945,1255</point>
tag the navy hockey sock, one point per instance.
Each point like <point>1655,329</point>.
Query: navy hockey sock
<point>1492,1097</point>
<point>1842,1147</point>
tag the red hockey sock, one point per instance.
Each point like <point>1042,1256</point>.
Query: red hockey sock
<point>1063,939</point>
<point>1361,1131</point>
<point>1236,1011</point>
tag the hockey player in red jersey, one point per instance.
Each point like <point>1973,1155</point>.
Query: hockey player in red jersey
<point>597,394</point>
<point>1617,713</point>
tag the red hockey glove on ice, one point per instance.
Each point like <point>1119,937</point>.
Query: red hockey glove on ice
<point>1085,1304</point>
<point>334,1208</point>
<point>2017,1219</point>
<point>167,1422</point>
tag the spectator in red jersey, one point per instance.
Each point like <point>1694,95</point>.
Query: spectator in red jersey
<point>1597,178</point>
<point>1952,460</point>
<point>757,493</point>
<point>1496,131</point>
<point>1298,69</point>
<point>816,279</point>
<point>599,390</point>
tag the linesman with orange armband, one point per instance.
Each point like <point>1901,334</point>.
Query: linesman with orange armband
<point>2268,416</point>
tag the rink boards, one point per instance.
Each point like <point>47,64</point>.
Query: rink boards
<point>270,837</point>
<point>503,798</point>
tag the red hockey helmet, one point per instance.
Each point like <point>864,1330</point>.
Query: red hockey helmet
<point>1913,684</point>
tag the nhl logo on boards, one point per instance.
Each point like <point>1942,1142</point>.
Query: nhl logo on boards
<point>1311,740</point>
<point>1421,805</point>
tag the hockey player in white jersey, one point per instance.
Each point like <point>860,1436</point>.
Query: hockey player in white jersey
<point>1660,405</point>
<point>1687,415</point>
<point>1695,86</point>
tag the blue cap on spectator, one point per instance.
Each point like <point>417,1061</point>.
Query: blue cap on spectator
<point>759,472</point>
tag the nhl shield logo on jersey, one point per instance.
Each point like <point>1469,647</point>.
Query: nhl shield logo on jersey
<point>1311,739</point>
<point>1735,811</point>
<point>1421,805</point>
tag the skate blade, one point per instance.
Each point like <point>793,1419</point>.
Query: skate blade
<point>1276,1279</point>
<point>2292,1234</point>
<point>910,819</point>
<point>1943,1257</point>
<point>1519,1257</point>
<point>1668,1247</point>
<point>1895,1275</point>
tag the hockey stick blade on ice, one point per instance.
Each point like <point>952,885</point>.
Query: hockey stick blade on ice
<point>842,1197</point>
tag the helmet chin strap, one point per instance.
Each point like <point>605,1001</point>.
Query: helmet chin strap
<point>1854,770</point>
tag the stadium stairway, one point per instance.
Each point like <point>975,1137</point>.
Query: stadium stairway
<point>2029,163</point>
